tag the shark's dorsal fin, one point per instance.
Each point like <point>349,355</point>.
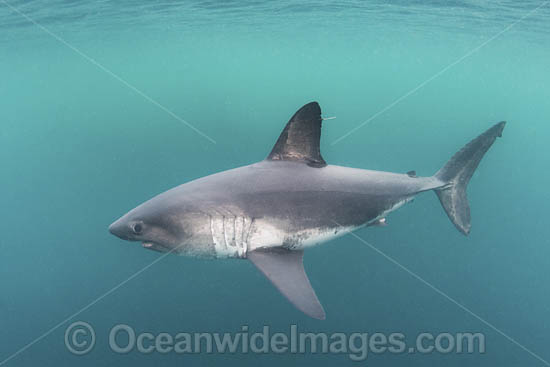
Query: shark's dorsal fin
<point>285,269</point>
<point>299,141</point>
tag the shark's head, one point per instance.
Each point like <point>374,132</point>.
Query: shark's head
<point>163,225</point>
<point>156,232</point>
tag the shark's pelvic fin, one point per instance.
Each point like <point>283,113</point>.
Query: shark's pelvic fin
<point>300,138</point>
<point>378,223</point>
<point>285,269</point>
<point>457,173</point>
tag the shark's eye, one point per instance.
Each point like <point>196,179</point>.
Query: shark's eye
<point>137,228</point>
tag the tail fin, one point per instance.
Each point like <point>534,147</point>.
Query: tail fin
<point>457,173</point>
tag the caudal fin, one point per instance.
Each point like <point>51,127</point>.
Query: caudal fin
<point>457,173</point>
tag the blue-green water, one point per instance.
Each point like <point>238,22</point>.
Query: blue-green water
<point>79,147</point>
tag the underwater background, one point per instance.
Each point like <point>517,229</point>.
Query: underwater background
<point>96,99</point>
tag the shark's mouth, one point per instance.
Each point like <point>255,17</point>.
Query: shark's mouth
<point>154,246</point>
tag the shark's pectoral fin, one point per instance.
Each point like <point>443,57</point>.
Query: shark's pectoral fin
<point>285,269</point>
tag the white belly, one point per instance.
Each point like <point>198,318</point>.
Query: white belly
<point>268,234</point>
<point>316,236</point>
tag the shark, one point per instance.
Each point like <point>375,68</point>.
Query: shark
<point>271,211</point>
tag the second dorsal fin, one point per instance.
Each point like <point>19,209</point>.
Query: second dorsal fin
<point>300,138</point>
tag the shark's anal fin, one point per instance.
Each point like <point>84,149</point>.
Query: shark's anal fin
<point>285,269</point>
<point>300,138</point>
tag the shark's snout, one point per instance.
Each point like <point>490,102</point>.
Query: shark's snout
<point>119,229</point>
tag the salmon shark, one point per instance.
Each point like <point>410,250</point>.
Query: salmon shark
<point>271,211</point>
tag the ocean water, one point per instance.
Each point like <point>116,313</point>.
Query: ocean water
<point>106,104</point>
